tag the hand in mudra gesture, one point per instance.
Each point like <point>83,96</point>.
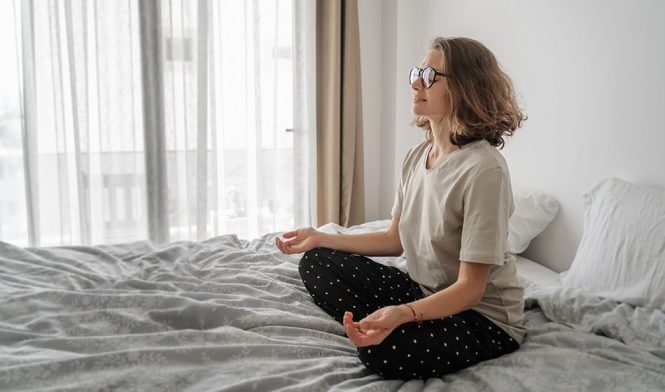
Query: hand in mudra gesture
<point>298,241</point>
<point>374,328</point>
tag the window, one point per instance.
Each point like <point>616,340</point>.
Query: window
<point>227,107</point>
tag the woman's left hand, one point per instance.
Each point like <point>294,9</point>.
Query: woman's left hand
<point>375,327</point>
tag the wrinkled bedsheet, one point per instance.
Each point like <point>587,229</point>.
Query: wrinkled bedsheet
<point>230,314</point>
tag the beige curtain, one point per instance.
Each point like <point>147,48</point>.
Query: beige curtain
<point>340,186</point>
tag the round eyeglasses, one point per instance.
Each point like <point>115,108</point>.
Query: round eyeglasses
<point>428,74</point>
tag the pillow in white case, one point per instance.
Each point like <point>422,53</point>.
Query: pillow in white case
<point>622,252</point>
<point>533,212</point>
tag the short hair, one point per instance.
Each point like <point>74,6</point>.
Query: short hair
<point>482,98</point>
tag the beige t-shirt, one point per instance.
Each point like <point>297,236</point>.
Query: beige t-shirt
<point>459,210</point>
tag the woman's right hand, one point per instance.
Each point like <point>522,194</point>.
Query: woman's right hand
<point>299,241</point>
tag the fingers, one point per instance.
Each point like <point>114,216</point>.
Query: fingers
<point>373,324</point>
<point>289,247</point>
<point>284,246</point>
<point>360,336</point>
<point>351,330</point>
<point>347,320</point>
<point>297,241</point>
<point>280,245</point>
<point>294,248</point>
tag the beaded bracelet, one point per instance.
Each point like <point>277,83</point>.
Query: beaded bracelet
<point>416,318</point>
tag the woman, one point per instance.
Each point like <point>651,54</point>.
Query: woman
<point>460,302</point>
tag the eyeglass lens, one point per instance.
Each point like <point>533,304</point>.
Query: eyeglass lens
<point>427,74</point>
<point>414,75</point>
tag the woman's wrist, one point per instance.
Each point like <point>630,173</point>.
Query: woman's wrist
<point>409,314</point>
<point>405,314</point>
<point>322,240</point>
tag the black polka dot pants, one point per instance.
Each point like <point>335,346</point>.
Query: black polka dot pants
<point>340,281</point>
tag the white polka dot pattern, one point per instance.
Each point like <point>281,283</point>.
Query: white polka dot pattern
<point>424,350</point>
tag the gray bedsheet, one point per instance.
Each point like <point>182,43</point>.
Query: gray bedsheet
<point>229,314</point>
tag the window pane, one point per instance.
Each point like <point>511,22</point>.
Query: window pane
<point>13,213</point>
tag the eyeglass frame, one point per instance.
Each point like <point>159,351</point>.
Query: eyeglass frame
<point>422,80</point>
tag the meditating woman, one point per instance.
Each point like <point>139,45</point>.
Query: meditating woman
<point>460,302</point>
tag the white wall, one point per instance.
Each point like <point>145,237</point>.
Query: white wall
<point>385,28</point>
<point>590,75</point>
<point>378,32</point>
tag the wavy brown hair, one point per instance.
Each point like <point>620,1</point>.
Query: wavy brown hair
<point>482,98</point>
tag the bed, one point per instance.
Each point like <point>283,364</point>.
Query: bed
<point>232,314</point>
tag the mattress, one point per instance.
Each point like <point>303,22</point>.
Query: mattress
<point>232,314</point>
<point>533,272</point>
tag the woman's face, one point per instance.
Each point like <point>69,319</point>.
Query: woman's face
<point>431,103</point>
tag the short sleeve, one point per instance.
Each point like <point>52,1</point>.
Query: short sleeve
<point>488,204</point>
<point>396,212</point>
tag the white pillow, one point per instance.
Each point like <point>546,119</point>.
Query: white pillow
<point>622,252</point>
<point>533,212</point>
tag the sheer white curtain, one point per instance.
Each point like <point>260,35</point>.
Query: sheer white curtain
<point>166,120</point>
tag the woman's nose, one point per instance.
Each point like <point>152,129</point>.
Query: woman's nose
<point>417,84</point>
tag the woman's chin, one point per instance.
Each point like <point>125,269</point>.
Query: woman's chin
<point>418,112</point>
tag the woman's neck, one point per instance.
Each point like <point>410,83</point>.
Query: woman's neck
<point>441,144</point>
<point>441,148</point>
